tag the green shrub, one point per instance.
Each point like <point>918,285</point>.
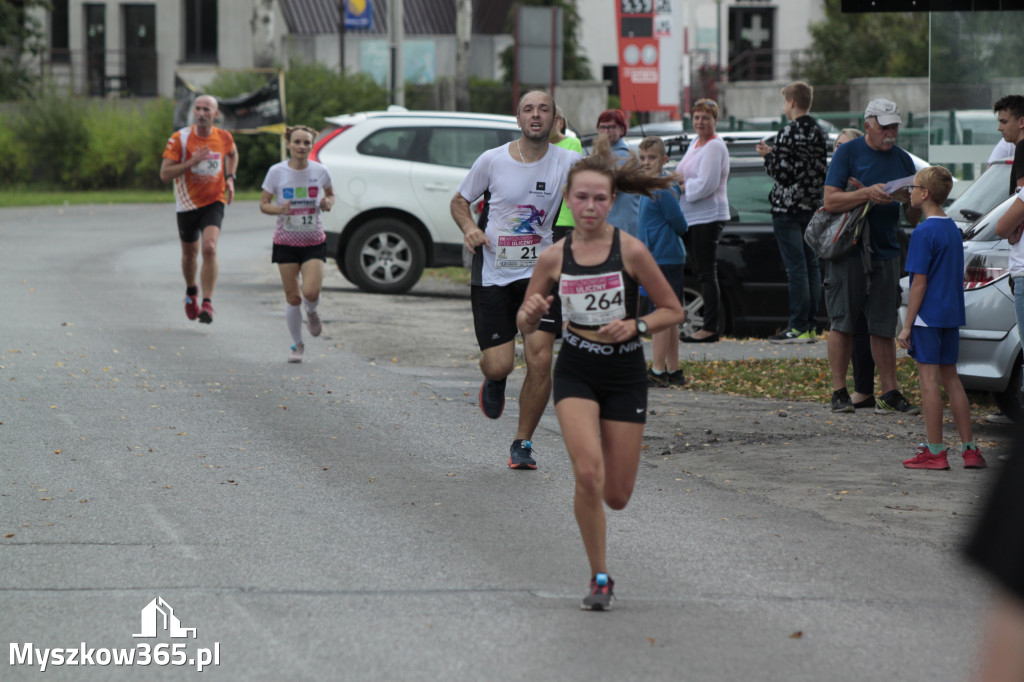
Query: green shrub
<point>54,130</point>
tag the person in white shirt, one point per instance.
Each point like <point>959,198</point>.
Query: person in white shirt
<point>705,172</point>
<point>521,183</point>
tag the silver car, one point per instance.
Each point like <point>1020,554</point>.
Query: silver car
<point>990,349</point>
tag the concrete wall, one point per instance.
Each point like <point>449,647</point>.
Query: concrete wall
<point>582,102</point>
<point>910,94</point>
<point>762,98</point>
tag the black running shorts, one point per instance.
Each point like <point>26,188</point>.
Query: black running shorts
<point>495,309</point>
<point>282,253</point>
<point>612,375</point>
<point>192,223</point>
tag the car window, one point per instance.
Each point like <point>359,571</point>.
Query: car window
<point>984,230</point>
<point>391,143</point>
<point>748,196</point>
<point>460,147</point>
<point>983,195</point>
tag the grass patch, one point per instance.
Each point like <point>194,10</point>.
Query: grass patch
<point>455,274</point>
<point>796,379</point>
<point>27,197</point>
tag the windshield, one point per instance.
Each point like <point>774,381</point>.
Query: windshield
<point>982,196</point>
<point>984,230</point>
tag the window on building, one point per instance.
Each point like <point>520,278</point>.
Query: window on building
<point>201,30</point>
<point>59,31</point>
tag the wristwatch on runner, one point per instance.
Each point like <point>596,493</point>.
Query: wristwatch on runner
<point>641,326</point>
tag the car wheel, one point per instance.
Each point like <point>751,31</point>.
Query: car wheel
<point>384,256</point>
<point>693,303</point>
<point>1011,400</point>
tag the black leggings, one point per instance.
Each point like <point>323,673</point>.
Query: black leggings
<point>702,242</point>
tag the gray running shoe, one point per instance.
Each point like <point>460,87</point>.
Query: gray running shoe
<point>601,594</point>
<point>313,323</point>
<point>296,354</point>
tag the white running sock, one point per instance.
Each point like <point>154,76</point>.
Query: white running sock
<point>293,316</point>
<point>310,305</point>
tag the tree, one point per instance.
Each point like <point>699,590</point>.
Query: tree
<point>575,65</point>
<point>861,45</point>
<point>21,35</point>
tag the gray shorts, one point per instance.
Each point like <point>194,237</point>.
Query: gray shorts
<point>848,293</point>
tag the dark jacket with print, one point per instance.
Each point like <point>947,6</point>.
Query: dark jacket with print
<point>797,164</point>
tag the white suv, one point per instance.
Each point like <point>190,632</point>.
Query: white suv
<point>395,173</point>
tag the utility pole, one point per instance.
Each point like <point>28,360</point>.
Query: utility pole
<point>342,5</point>
<point>463,37</point>
<point>396,34</point>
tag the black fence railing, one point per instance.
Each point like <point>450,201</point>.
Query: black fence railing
<point>101,73</point>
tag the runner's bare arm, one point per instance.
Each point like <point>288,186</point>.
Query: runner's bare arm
<point>536,301</point>
<point>267,205</point>
<point>474,236</point>
<point>170,169</point>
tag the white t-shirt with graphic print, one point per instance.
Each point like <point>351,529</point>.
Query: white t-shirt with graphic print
<point>522,207</point>
<point>304,188</point>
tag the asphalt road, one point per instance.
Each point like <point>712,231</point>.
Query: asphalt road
<point>351,518</point>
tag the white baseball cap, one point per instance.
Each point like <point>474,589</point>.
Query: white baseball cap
<point>885,111</point>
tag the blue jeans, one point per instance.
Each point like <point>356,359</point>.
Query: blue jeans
<point>801,268</point>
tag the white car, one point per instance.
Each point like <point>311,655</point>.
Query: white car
<point>395,173</point>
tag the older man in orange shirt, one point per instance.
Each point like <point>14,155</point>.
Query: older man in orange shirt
<point>201,160</point>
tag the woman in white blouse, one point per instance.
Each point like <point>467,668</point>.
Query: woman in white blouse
<point>705,173</point>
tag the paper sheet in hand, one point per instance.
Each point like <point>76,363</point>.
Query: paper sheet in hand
<point>897,185</point>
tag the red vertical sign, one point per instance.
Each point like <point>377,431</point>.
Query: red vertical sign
<point>638,55</point>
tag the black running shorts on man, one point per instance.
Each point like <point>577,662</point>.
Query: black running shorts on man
<point>495,309</point>
<point>192,223</point>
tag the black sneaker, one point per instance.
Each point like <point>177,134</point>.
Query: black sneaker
<point>601,594</point>
<point>893,401</point>
<point>867,402</point>
<point>676,378</point>
<point>520,455</point>
<point>492,398</point>
<point>841,401</point>
<point>657,380</point>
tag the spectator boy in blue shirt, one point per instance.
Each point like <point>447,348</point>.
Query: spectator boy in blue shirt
<point>935,313</point>
<point>660,226</point>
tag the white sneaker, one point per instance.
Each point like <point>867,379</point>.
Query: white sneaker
<point>296,354</point>
<point>313,323</point>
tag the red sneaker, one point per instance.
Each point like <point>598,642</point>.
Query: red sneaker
<point>206,314</point>
<point>973,459</point>
<point>191,307</point>
<point>924,459</point>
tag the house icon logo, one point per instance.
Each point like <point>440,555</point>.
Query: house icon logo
<point>158,616</point>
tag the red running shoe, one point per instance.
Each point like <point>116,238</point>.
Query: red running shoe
<point>973,459</point>
<point>206,314</point>
<point>191,307</point>
<point>924,459</point>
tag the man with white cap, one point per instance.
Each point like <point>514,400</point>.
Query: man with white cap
<point>872,160</point>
